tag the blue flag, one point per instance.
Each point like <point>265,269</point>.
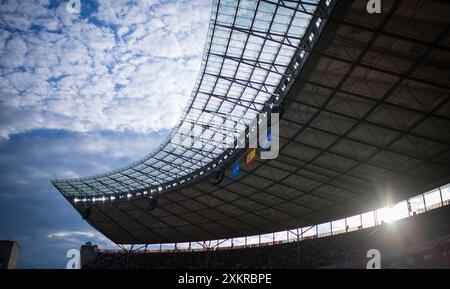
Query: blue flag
<point>235,171</point>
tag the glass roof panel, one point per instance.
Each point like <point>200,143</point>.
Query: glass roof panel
<point>248,47</point>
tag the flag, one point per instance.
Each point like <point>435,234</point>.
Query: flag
<point>235,171</point>
<point>251,157</point>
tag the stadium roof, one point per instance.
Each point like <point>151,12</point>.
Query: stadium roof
<point>248,48</point>
<point>365,120</point>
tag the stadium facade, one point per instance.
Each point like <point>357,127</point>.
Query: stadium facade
<point>364,104</point>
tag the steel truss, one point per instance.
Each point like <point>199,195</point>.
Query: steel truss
<point>243,78</point>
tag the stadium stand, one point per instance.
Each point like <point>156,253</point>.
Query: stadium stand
<point>421,241</point>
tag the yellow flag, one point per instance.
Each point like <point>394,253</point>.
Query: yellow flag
<point>251,157</point>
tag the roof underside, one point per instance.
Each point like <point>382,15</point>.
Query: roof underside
<point>366,122</point>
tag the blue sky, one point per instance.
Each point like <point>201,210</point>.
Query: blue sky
<point>81,94</point>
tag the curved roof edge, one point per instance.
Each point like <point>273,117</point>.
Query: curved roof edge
<point>156,173</point>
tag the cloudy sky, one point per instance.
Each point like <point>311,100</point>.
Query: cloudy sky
<point>81,94</point>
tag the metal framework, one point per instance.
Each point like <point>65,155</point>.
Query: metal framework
<point>417,205</point>
<point>365,123</point>
<point>248,49</point>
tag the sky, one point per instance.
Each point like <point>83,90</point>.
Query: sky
<point>80,94</point>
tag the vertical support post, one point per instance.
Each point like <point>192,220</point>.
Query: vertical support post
<point>424,202</point>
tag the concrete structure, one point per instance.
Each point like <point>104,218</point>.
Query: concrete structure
<point>9,254</point>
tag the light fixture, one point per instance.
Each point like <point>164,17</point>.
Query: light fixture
<point>318,22</point>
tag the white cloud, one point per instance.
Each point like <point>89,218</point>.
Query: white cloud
<point>79,237</point>
<point>129,67</point>
<point>70,234</point>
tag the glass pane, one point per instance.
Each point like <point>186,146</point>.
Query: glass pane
<point>292,235</point>
<point>368,219</point>
<point>417,205</point>
<point>153,247</point>
<point>170,246</point>
<point>252,240</point>
<point>280,236</point>
<point>338,226</point>
<point>382,215</point>
<point>267,238</point>
<point>399,211</point>
<point>224,243</point>
<point>353,223</point>
<point>445,190</point>
<point>183,246</point>
<point>324,230</point>
<point>309,232</point>
<point>433,199</point>
<point>195,245</point>
<point>238,242</point>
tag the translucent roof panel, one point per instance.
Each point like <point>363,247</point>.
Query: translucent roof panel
<point>248,47</point>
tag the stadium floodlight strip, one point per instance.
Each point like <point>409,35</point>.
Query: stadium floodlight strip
<point>152,192</point>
